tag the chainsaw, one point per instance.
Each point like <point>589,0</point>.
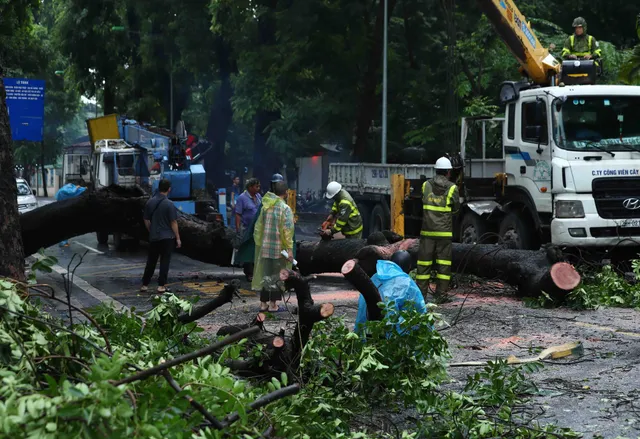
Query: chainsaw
<point>325,226</point>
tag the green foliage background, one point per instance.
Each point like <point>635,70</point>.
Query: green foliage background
<point>304,64</point>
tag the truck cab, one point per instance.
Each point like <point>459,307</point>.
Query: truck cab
<point>563,168</point>
<point>114,161</point>
<point>571,167</point>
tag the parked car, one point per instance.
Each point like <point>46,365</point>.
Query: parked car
<point>26,200</point>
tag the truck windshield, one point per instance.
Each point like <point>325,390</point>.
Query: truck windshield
<point>598,122</point>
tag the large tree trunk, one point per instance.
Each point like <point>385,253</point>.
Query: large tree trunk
<point>11,254</point>
<point>43,173</point>
<point>220,119</point>
<point>368,106</point>
<point>530,271</point>
<point>109,94</point>
<point>119,209</point>
<point>265,160</point>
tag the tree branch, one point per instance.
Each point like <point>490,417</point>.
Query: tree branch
<point>195,404</point>
<point>263,401</point>
<point>225,296</point>
<point>144,374</point>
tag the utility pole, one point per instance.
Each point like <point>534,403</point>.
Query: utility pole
<point>384,84</point>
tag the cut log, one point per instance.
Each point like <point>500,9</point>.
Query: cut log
<point>531,271</point>
<point>362,282</point>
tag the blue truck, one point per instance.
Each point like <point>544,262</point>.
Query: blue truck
<point>141,155</point>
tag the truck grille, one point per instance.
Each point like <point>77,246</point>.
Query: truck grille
<point>611,193</point>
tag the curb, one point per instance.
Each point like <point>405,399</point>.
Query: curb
<point>85,286</point>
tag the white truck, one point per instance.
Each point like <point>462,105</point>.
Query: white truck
<point>569,172</point>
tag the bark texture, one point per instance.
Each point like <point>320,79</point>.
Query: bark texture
<point>531,271</point>
<point>11,253</point>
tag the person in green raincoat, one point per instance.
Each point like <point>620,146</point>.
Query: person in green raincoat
<point>246,250</point>
<point>273,233</point>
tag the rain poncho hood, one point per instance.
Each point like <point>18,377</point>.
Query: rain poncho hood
<point>394,285</point>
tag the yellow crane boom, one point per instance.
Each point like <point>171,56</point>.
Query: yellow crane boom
<point>536,61</point>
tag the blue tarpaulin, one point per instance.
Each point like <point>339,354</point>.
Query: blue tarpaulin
<point>69,191</point>
<point>394,285</point>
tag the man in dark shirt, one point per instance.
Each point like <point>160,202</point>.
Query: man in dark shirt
<point>161,219</point>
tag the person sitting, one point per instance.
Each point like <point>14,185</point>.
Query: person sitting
<point>581,45</point>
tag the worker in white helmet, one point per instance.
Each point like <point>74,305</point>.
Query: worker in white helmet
<point>440,200</point>
<point>344,216</point>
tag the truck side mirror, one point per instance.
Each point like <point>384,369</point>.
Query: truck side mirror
<point>33,191</point>
<point>508,93</point>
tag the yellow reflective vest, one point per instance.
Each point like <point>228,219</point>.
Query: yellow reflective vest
<point>440,201</point>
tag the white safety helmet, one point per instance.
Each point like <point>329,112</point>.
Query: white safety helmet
<point>333,188</point>
<point>443,163</point>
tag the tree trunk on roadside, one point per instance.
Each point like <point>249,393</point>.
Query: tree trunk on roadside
<point>368,102</point>
<point>45,193</point>
<point>109,95</point>
<point>11,250</point>
<point>220,119</point>
<point>265,160</point>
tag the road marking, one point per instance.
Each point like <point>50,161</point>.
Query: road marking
<point>213,288</point>
<point>87,287</point>
<point>125,267</point>
<point>87,247</point>
<point>607,329</point>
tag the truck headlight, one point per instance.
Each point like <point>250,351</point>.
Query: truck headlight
<point>569,209</point>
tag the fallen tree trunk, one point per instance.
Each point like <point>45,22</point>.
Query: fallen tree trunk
<point>531,271</point>
<point>118,209</point>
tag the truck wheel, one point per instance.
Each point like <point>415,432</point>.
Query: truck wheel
<point>472,229</point>
<point>119,242</point>
<point>103,237</point>
<point>380,219</point>
<point>365,214</point>
<point>514,228</point>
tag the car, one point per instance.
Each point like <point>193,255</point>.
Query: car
<point>26,200</point>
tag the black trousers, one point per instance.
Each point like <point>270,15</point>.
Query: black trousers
<point>162,249</point>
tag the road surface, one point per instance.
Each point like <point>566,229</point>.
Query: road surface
<point>596,394</point>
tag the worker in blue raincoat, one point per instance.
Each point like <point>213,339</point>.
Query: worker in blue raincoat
<point>394,284</point>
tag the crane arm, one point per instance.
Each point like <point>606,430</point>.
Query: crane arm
<point>510,24</point>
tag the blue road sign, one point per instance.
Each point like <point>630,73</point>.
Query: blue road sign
<point>25,103</point>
